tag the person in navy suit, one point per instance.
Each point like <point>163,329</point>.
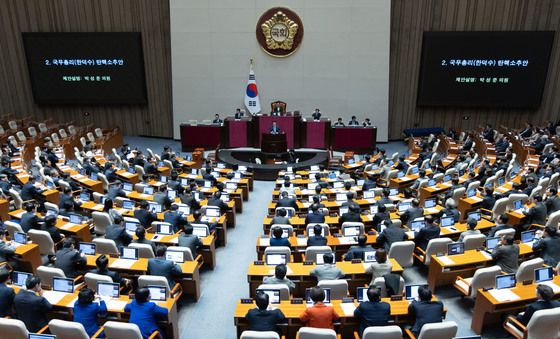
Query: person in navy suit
<point>274,129</point>
<point>317,239</point>
<point>7,294</point>
<point>315,216</point>
<point>545,294</point>
<point>373,312</point>
<point>163,267</point>
<point>263,319</point>
<point>86,311</point>
<point>277,239</point>
<point>145,313</point>
<point>30,305</point>
<point>175,218</point>
<point>424,310</point>
<point>427,233</point>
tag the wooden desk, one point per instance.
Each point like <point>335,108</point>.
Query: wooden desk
<point>299,274</point>
<point>208,251</point>
<point>88,183</point>
<point>79,231</point>
<point>487,310</point>
<point>133,178</point>
<point>28,257</point>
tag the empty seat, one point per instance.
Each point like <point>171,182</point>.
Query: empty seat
<point>67,329</point>
<point>339,288</point>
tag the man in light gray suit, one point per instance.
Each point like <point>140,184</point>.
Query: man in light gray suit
<point>162,267</point>
<point>327,271</point>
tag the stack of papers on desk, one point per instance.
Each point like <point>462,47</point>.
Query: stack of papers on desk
<point>504,295</point>
<point>123,263</point>
<point>54,297</point>
<point>265,242</point>
<point>115,304</point>
<point>446,261</point>
<point>431,210</point>
<point>302,241</point>
<point>347,240</point>
<point>68,226</point>
<point>348,309</point>
<point>410,234</point>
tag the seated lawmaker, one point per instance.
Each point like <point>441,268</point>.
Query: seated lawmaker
<point>424,310</point>
<point>187,239</point>
<point>367,123</point>
<point>545,294</point>
<point>263,319</point>
<point>380,267</point>
<point>315,216</point>
<point>141,238</point>
<point>7,294</point>
<point>117,232</point>
<point>145,313</point>
<point>274,129</point>
<point>280,217</point>
<point>549,245</point>
<point>353,121</point>
<point>86,311</point>
<point>286,201</point>
<point>238,114</point>
<point>279,277</point>
<point>327,271</point>
<point>175,218</point>
<point>30,305</point>
<point>391,234</point>
<point>277,240</point>
<point>69,260</point>
<point>506,254</point>
<point>471,225</point>
<point>102,264</point>
<point>357,252</point>
<point>319,315</point>
<point>339,123</point>
<point>316,115</point>
<point>163,267</point>
<point>352,215</point>
<point>317,239</point>
<point>373,312</point>
<point>217,120</point>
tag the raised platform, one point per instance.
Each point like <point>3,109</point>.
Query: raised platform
<point>268,169</point>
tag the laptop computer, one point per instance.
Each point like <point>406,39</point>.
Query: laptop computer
<point>131,170</point>
<point>157,293</point>
<point>471,193</point>
<point>411,291</point>
<point>184,209</point>
<point>320,258</point>
<point>446,178</point>
<point>224,197</point>
<point>231,186</point>
<point>447,221</point>
<point>273,259</point>
<point>75,218</point>
<point>40,336</point>
<point>455,248</point>
<point>155,207</point>
<point>403,206</point>
<point>327,299</point>
<point>414,170</point>
<point>492,242</point>
<point>417,225</point>
<point>131,226</point>
<point>361,293</point>
<point>20,237</point>
<point>128,187</point>
<point>517,204</point>
<point>19,278</point>
<point>273,295</point>
<point>501,181</point>
<point>528,236</point>
<point>177,257</point>
<point>184,181</point>
<point>369,194</point>
<point>543,274</point>
<point>432,182</point>
<point>207,184</point>
<point>128,204</point>
<point>212,212</point>
<point>475,215</point>
<point>369,256</point>
<point>93,176</point>
<point>84,196</point>
<point>338,184</point>
<point>87,248</point>
<point>393,192</point>
<point>65,285</point>
<point>148,190</point>
<point>373,209</point>
<point>165,229</point>
<point>200,231</point>
<point>430,203</point>
<point>351,231</point>
<point>343,210</point>
<point>505,281</point>
<point>360,182</point>
<point>400,175</point>
<point>107,289</point>
<point>129,253</point>
<point>163,179</point>
<point>341,197</point>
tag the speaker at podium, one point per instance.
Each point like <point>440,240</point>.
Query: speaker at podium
<point>274,143</point>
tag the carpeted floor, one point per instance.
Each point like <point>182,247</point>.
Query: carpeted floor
<point>212,315</point>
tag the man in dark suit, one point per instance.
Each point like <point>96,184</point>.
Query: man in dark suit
<point>115,190</point>
<point>315,217</point>
<point>29,219</point>
<point>263,319</point>
<point>207,176</point>
<point>402,165</point>
<point>174,218</point>
<point>174,183</point>
<point>117,233</point>
<point>549,245</point>
<point>353,121</point>
<point>545,294</point>
<point>357,252</point>
<point>187,239</point>
<point>144,215</point>
<point>506,254</point>
<point>424,310</point>
<point>66,198</point>
<point>412,213</point>
<point>451,210</point>
<point>390,235</point>
<point>280,217</point>
<point>150,168</point>
<point>187,198</point>
<point>380,216</point>
<point>552,201</point>
<point>317,239</point>
<point>69,260</point>
<point>316,115</point>
<point>110,172</point>
<point>162,267</point>
<point>352,215</point>
<point>50,226</point>
<point>29,192</point>
<point>321,183</point>
<point>217,120</point>
<point>537,214</point>
<point>373,312</point>
<point>7,294</point>
<point>428,232</point>
<point>488,201</point>
<point>285,201</point>
<point>501,224</point>
<point>274,129</point>
<point>238,114</point>
<point>369,183</point>
<point>162,199</point>
<point>32,308</point>
<point>385,200</point>
<point>102,262</point>
<point>89,167</point>
<point>216,201</point>
<point>468,144</point>
<point>277,239</point>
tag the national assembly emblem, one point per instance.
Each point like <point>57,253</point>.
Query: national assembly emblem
<point>279,31</point>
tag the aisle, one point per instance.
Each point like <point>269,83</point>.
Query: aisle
<point>212,315</point>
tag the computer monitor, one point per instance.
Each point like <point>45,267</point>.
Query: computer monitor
<point>65,285</point>
<point>130,170</point>
<point>338,184</point>
<point>224,197</point>
<point>273,295</point>
<point>108,289</point>
<point>417,225</point>
<point>341,197</point>
<point>131,226</point>
<point>75,218</point>
<point>177,257</point>
<point>40,336</point>
<point>369,256</point>
<point>361,294</point>
<point>315,168</point>
<point>429,203</point>
<point>184,181</point>
<point>171,194</point>
<point>320,258</point>
<point>128,187</point>
<point>411,291</point>
<point>20,237</point>
<point>505,281</point>
<point>492,242</point>
<point>184,209</point>
<point>327,299</point>
<point>351,231</point>
<point>84,196</point>
<point>311,185</point>
<point>200,231</point>
<point>342,210</point>
<point>87,248</point>
<point>360,182</point>
<point>393,192</point>
<point>369,194</point>
<point>194,171</point>
<point>221,165</point>
<point>471,193</point>
<point>213,212</point>
<point>543,274</point>
<point>517,204</point>
<point>128,204</point>
<point>148,190</point>
<point>528,236</point>
<point>93,176</point>
<point>501,181</point>
<point>447,221</point>
<point>157,293</point>
<point>237,175</point>
<point>83,171</point>
<point>207,184</point>
<point>403,206</point>
<point>455,248</point>
<point>474,215</point>
<point>155,207</point>
<point>273,259</point>
<point>163,179</point>
<point>129,253</point>
<point>373,209</point>
<point>446,178</point>
<point>351,161</point>
<point>165,229</point>
<point>414,170</point>
<point>19,278</point>
<point>400,174</point>
<point>231,186</point>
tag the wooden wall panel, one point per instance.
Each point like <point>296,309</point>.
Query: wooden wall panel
<point>410,18</point>
<point>151,17</point>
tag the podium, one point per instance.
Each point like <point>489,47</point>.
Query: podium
<point>274,143</point>
<point>238,132</point>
